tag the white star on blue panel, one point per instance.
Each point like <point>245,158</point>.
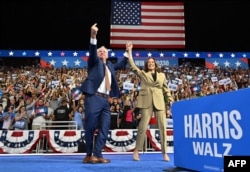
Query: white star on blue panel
<point>77,62</point>
<point>197,55</point>
<point>52,62</point>
<point>238,63</point>
<point>185,54</point>
<point>215,63</point>
<point>65,62</point>
<point>37,53</point>
<point>50,53</point>
<point>221,55</point>
<point>11,53</point>
<point>227,64</point>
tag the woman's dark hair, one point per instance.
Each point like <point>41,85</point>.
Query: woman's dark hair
<point>157,69</point>
<point>21,108</point>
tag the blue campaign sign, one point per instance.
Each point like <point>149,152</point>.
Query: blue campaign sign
<point>208,128</point>
<point>160,61</point>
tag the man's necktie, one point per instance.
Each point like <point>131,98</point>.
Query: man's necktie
<point>107,83</point>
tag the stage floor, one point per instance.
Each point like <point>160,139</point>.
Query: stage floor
<point>120,162</point>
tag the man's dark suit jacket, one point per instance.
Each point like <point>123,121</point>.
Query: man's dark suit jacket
<point>96,72</point>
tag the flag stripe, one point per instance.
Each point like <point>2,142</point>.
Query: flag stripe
<point>118,31</point>
<point>152,38</point>
<point>180,18</point>
<point>148,24</point>
<point>156,28</point>
<point>163,4</point>
<point>143,42</point>
<point>162,24</point>
<point>153,46</point>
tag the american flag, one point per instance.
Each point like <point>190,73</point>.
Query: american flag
<point>149,25</point>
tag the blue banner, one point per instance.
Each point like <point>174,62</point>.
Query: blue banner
<point>160,61</point>
<point>208,128</point>
<point>80,62</point>
<point>78,59</point>
<point>227,63</point>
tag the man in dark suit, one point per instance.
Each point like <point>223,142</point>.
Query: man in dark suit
<point>97,110</point>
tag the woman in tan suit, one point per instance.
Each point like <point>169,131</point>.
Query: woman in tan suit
<point>151,99</point>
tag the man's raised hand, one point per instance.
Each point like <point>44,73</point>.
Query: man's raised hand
<point>94,30</point>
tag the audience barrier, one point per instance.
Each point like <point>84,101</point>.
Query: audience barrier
<point>68,141</point>
<point>209,128</point>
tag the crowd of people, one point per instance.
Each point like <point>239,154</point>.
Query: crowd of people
<point>33,94</point>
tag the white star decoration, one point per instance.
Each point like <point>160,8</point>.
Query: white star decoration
<point>75,54</point>
<point>238,63</point>
<point>221,55</point>
<point>197,55</point>
<point>173,55</point>
<point>149,54</point>
<point>232,55</point>
<point>185,54</point>
<point>24,53</point>
<point>87,54</point>
<point>161,55</point>
<point>65,62</point>
<point>227,64</point>
<point>11,53</point>
<point>112,54</point>
<point>77,62</point>
<point>52,62</point>
<point>37,53</point>
<point>50,53</point>
<point>215,63</point>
